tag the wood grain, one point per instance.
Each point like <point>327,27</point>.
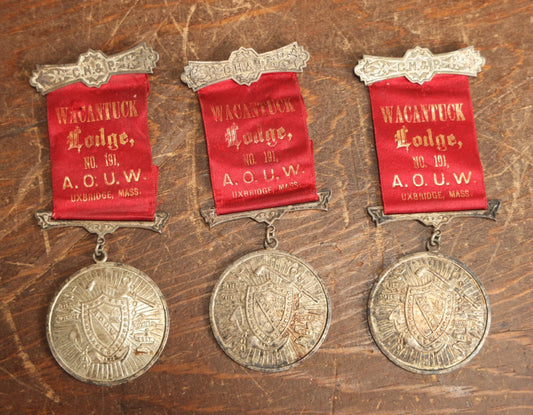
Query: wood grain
<point>348,375</point>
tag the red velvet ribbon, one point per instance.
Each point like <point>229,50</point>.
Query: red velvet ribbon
<point>260,154</point>
<point>426,145</point>
<point>100,151</point>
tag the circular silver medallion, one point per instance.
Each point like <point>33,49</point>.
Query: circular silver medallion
<point>428,313</point>
<point>269,310</point>
<point>108,324</point>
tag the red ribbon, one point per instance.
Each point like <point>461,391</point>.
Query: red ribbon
<point>100,151</point>
<point>260,154</point>
<point>426,145</point>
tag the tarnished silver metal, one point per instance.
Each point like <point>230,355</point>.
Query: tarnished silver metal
<point>269,311</point>
<point>433,243</point>
<point>419,65</point>
<point>94,68</point>
<point>435,219</point>
<point>100,227</point>
<point>108,324</point>
<point>245,66</point>
<point>268,216</point>
<point>100,254</point>
<point>270,238</point>
<point>428,313</point>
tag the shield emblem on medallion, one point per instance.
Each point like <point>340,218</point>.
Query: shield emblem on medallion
<point>106,322</point>
<point>269,309</point>
<point>428,313</point>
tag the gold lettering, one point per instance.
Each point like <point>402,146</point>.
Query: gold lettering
<point>227,180</point>
<point>271,107</point>
<point>106,108</point>
<point>82,115</point>
<point>123,109</point>
<point>73,139</point>
<point>407,113</point>
<point>61,114</point>
<point>401,138</point>
<point>67,184</point>
<point>462,177</point>
<point>72,119</point>
<point>291,170</point>
<point>416,115</point>
<point>387,114</point>
<point>396,181</point>
<point>441,181</point>
<point>237,113</point>
<point>90,114</point>
<point>442,113</point>
<point>132,175</point>
<point>425,112</point>
<point>116,113</point>
<point>112,143</point>
<point>88,180</point>
<point>100,112</point>
<point>111,140</point>
<point>459,112</point>
<point>229,116</point>
<point>106,180</point>
<point>246,112</point>
<point>216,110</point>
<point>101,141</point>
<point>288,105</point>
<point>450,112</point>
<point>439,141</point>
<point>398,115</point>
<point>133,109</point>
<point>272,177</point>
<point>248,177</point>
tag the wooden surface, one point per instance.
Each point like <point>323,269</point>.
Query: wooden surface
<point>348,375</point>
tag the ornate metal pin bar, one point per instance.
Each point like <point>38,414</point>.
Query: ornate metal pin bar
<point>267,216</point>
<point>245,66</point>
<point>94,68</point>
<point>434,219</point>
<point>101,227</point>
<point>419,65</point>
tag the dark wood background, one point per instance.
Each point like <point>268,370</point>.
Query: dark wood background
<point>348,374</point>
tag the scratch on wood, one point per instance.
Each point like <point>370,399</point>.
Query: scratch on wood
<point>192,198</point>
<point>23,189</point>
<point>334,396</point>
<point>185,31</point>
<point>31,276</point>
<point>26,361</point>
<point>269,398</point>
<point>46,243</point>
<point>117,26</point>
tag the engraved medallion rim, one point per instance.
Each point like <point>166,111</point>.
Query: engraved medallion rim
<point>410,367</point>
<point>218,284</point>
<point>79,274</point>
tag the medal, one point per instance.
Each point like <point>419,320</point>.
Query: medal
<point>428,313</point>
<point>269,310</point>
<point>108,323</point>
